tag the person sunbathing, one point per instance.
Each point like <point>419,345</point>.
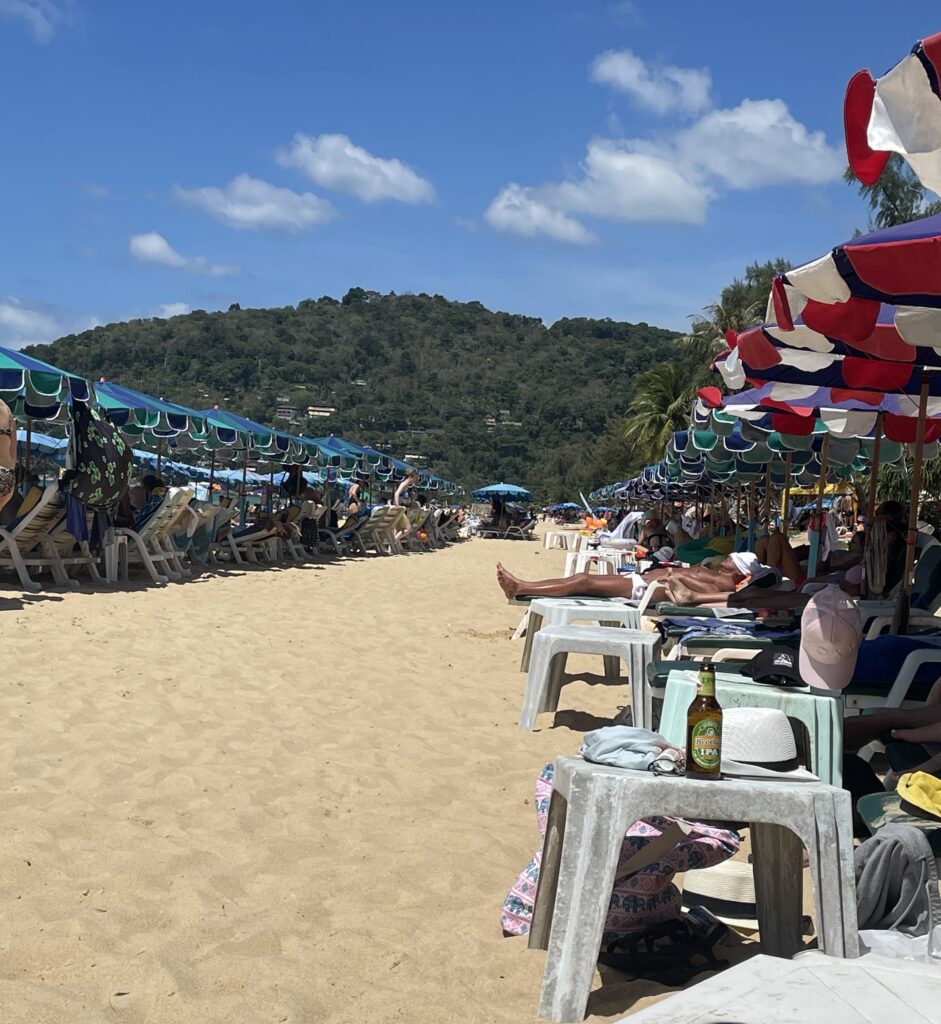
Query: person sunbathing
<point>695,583</point>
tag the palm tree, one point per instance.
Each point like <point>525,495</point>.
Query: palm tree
<point>661,407</point>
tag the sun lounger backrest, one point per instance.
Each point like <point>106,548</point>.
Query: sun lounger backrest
<point>32,527</point>
<point>167,514</point>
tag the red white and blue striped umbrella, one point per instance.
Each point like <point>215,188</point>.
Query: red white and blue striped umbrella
<point>897,113</point>
<point>840,294</point>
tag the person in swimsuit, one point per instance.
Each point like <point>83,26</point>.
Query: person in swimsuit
<point>7,454</point>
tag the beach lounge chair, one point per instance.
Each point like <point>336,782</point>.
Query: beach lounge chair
<point>63,550</point>
<point>221,527</point>
<point>524,531</point>
<point>149,544</point>
<point>343,540</point>
<point>20,540</point>
<point>378,531</point>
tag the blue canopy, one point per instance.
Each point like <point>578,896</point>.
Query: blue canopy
<point>502,491</point>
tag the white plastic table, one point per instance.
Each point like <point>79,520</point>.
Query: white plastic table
<point>592,806</point>
<point>810,989</point>
<point>560,611</point>
<point>821,713</point>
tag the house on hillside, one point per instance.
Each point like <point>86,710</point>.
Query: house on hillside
<point>320,410</point>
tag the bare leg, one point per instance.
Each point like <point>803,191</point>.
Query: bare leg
<point>918,725</point>
<point>781,556</point>
<point>582,584</point>
<point>761,550</point>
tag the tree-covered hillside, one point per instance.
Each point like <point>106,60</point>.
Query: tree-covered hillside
<point>480,395</point>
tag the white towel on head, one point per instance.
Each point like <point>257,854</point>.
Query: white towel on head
<point>746,562</point>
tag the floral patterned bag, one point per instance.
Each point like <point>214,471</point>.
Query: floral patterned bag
<point>102,466</point>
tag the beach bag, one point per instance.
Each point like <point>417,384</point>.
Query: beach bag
<point>101,473</point>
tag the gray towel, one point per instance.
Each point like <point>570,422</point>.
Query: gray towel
<point>897,882</point>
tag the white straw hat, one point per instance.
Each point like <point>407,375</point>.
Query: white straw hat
<point>759,743</point>
<point>727,890</point>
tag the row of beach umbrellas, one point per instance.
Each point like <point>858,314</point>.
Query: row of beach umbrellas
<point>845,373</point>
<point>40,392</point>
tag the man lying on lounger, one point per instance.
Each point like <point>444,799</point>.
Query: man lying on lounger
<point>741,579</point>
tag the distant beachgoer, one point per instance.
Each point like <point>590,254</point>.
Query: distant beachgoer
<point>403,498</point>
<point>7,454</point>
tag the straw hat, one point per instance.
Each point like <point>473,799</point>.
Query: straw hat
<point>759,743</point>
<point>726,890</point>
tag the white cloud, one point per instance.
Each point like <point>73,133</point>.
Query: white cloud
<point>169,309</point>
<point>519,211</point>
<point>759,143</point>
<point>334,162</point>
<point>660,89</point>
<point>154,248</point>
<point>96,191</point>
<point>248,202</point>
<point>43,17</point>
<point>622,182</point>
<point>673,178</point>
<point>20,325</point>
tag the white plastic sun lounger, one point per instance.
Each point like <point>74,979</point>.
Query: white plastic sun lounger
<point>151,545</point>
<point>19,541</point>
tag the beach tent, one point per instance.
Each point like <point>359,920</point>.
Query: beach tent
<point>501,490</point>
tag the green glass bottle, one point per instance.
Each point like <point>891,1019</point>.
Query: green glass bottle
<point>704,729</point>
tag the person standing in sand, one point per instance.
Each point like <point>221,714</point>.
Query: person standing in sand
<point>7,454</point>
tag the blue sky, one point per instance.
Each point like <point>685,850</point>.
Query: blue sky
<point>545,157</point>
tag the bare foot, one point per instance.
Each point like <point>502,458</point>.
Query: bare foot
<point>918,734</point>
<point>509,584</point>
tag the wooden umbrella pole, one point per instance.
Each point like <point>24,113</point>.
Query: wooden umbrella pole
<point>752,512</point>
<point>873,496</point>
<point>768,498</point>
<point>900,623</point>
<point>817,535</point>
<point>786,498</point>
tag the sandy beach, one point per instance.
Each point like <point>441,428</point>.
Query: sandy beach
<point>275,795</point>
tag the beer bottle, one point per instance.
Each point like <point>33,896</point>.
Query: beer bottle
<point>704,728</point>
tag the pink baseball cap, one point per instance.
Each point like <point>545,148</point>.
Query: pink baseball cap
<point>831,632</point>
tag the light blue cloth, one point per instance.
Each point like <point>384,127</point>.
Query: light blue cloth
<point>623,746</point>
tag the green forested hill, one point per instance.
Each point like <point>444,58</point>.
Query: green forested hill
<point>480,395</point>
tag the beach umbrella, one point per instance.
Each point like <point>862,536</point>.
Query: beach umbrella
<point>897,113</point>
<point>138,414</point>
<point>502,490</point>
<point>839,294</point>
<point>37,390</point>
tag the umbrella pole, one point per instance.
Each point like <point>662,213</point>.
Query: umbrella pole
<point>900,623</point>
<point>738,516</point>
<point>245,488</point>
<point>159,454</point>
<point>768,499</point>
<point>212,473</point>
<point>873,495</point>
<point>29,441</point>
<point>817,535</point>
<point>786,496</point>
<point>752,513</point>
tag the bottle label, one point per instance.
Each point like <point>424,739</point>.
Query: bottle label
<point>706,743</point>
